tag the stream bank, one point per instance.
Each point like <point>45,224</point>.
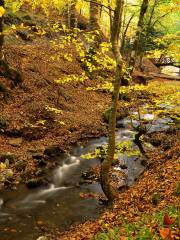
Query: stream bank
<point>70,199</point>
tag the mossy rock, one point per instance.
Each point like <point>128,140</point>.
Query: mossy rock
<point>121,113</point>
<point>12,158</point>
<point>34,183</point>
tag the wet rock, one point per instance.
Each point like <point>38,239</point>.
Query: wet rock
<point>88,177</point>
<point>119,179</point>
<point>8,156</point>
<point>123,166</point>
<point>53,151</point>
<point>16,142</point>
<point>120,124</point>
<point>40,158</point>
<point>34,183</point>
<point>144,162</point>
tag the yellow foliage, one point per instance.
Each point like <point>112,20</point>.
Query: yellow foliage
<point>2,11</point>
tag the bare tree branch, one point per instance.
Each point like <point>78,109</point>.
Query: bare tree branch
<point>100,4</point>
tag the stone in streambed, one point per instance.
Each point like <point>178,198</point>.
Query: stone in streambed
<point>34,183</point>
<point>53,151</point>
<point>16,142</point>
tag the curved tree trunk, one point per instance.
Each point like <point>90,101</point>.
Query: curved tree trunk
<point>94,15</point>
<point>107,163</point>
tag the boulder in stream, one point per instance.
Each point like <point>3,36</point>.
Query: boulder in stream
<point>34,183</point>
<point>53,151</point>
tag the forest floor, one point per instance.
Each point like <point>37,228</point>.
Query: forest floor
<point>41,113</point>
<point>30,116</point>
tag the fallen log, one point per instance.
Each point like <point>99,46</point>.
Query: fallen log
<point>164,76</point>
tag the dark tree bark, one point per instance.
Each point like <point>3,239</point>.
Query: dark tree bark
<point>73,14</point>
<point>110,16</point>
<point>135,50</point>
<point>125,34</point>
<point>107,163</point>
<point>94,15</point>
<point>1,33</point>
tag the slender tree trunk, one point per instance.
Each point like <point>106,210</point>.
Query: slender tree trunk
<point>136,45</point>
<point>94,15</point>
<point>73,14</point>
<point>124,34</point>
<point>107,163</point>
<point>152,13</point>
<point>110,17</point>
<point>1,34</point>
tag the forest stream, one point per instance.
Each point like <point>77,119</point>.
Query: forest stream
<point>25,213</point>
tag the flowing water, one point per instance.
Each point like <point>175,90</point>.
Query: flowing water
<point>25,213</point>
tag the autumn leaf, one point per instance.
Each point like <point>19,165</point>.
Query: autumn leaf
<point>167,221</point>
<point>87,195</point>
<point>165,233</point>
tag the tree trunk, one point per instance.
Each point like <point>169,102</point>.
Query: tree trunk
<point>135,50</point>
<point>73,14</point>
<point>1,33</point>
<point>125,34</point>
<point>110,17</point>
<point>107,163</point>
<point>5,69</point>
<point>94,15</point>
